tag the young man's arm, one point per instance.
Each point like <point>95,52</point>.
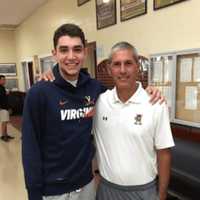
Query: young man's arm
<point>164,166</point>
<point>31,152</point>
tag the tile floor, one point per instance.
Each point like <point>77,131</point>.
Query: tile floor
<point>11,173</point>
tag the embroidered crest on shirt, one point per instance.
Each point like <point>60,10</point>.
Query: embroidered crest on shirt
<point>138,119</point>
<point>88,101</point>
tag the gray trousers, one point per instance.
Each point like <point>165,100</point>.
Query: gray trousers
<point>110,191</point>
<point>88,192</point>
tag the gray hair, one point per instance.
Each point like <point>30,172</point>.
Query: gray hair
<point>123,46</point>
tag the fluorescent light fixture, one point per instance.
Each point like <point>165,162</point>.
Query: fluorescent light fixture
<point>106,1</point>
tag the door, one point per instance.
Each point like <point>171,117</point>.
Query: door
<point>27,67</point>
<point>90,62</point>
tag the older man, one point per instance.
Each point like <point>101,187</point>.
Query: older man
<point>133,137</point>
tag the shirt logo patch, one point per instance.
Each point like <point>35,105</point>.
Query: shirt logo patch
<point>138,119</point>
<point>88,101</point>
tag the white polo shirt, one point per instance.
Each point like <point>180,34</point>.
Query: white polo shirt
<point>127,136</point>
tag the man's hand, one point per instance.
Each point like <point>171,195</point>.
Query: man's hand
<point>47,75</point>
<point>95,170</point>
<point>155,95</point>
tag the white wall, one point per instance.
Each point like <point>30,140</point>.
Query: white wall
<point>7,46</point>
<point>172,28</point>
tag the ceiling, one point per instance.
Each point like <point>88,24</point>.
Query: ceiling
<point>14,12</point>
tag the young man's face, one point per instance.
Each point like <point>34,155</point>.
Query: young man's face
<point>70,54</point>
<point>123,69</point>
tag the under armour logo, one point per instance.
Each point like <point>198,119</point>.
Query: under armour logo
<point>105,118</point>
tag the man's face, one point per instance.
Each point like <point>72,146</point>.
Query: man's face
<point>123,69</point>
<point>70,55</point>
<point>2,81</point>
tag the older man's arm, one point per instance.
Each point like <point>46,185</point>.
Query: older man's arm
<point>164,166</point>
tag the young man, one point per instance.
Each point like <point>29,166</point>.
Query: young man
<point>57,120</point>
<point>4,114</point>
<point>133,137</point>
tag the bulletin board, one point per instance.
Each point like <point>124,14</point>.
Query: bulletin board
<point>188,88</point>
<point>177,76</point>
<point>161,72</point>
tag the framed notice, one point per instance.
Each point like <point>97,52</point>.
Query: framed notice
<point>105,13</point>
<point>196,69</point>
<point>8,69</point>
<point>185,69</point>
<point>11,84</point>
<point>164,3</point>
<point>160,75</point>
<point>132,8</point>
<point>81,2</point>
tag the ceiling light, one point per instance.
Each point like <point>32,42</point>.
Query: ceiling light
<point>106,1</point>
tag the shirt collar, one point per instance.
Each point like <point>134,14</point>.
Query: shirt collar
<point>135,98</point>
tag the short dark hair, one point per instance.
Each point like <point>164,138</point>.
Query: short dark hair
<point>71,30</point>
<point>2,76</point>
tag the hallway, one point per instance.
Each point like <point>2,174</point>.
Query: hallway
<point>11,174</point>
